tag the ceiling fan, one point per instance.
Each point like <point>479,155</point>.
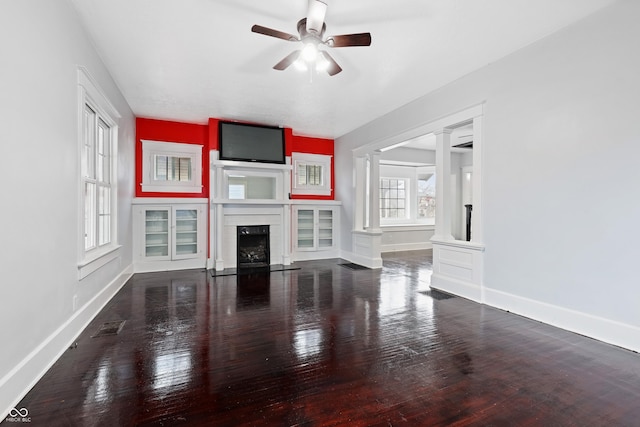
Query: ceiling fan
<point>311,32</point>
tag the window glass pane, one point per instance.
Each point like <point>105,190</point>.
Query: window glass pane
<point>103,155</point>
<point>104,215</point>
<point>427,196</point>
<point>184,169</point>
<point>302,174</point>
<point>393,203</point>
<point>160,168</point>
<point>89,215</point>
<point>88,148</point>
<point>171,168</point>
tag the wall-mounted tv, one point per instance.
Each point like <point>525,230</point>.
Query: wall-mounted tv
<point>251,143</point>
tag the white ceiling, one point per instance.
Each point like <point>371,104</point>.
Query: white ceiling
<point>189,60</point>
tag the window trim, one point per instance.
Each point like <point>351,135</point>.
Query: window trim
<point>322,160</point>
<point>90,94</point>
<point>411,175</point>
<point>151,148</point>
<point>407,219</point>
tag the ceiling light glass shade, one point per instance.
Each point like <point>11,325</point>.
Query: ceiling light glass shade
<point>300,64</point>
<point>310,52</point>
<point>321,63</point>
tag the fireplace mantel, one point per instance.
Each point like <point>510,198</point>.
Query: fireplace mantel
<point>268,203</point>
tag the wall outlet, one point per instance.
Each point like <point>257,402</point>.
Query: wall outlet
<point>75,303</point>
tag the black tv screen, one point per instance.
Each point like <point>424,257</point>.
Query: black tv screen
<point>251,143</point>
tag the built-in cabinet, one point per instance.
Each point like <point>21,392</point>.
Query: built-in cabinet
<point>315,232</point>
<point>169,236</point>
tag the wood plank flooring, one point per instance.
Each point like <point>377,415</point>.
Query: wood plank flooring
<point>326,346</point>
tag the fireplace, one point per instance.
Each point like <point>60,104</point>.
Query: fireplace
<point>252,247</point>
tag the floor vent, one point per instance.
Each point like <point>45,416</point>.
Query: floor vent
<point>437,295</point>
<point>110,328</point>
<point>352,266</point>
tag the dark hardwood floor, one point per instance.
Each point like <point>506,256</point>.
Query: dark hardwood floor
<point>326,345</point>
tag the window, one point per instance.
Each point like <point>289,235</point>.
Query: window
<point>407,195</point>
<point>171,167</point>
<point>427,197</point>
<point>98,186</point>
<point>393,198</point>
<point>96,179</point>
<point>311,174</point>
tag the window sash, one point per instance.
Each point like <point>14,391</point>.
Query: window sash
<point>393,199</point>
<point>97,171</point>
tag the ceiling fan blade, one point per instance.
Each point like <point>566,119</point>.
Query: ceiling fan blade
<point>274,33</point>
<point>288,60</point>
<point>333,67</point>
<point>359,39</point>
<point>315,15</point>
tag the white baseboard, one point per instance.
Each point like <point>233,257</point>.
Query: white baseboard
<point>606,330</point>
<point>33,367</point>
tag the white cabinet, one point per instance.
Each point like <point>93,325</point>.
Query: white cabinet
<point>169,237</point>
<point>315,230</point>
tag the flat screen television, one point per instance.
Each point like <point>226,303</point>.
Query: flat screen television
<point>251,143</point>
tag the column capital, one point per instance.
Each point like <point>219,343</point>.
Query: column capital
<point>446,131</point>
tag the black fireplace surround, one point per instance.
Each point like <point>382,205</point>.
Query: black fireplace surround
<point>252,247</point>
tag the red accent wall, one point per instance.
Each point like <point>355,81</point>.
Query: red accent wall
<point>207,136</point>
<point>305,144</point>
<point>162,130</point>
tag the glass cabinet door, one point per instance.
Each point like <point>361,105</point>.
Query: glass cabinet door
<point>325,228</point>
<point>305,228</point>
<point>186,229</point>
<point>156,233</point>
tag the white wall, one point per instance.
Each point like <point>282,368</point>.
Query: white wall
<point>42,45</point>
<point>561,148</point>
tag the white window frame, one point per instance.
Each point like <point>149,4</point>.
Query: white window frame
<point>321,160</point>
<point>408,201</point>
<point>151,149</point>
<point>411,175</point>
<point>90,95</point>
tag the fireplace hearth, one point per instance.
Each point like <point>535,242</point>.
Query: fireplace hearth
<point>252,247</point>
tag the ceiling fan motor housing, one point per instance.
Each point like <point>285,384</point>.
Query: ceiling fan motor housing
<point>304,34</point>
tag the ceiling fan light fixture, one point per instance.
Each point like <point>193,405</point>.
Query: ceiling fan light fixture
<point>322,64</point>
<point>315,16</point>
<point>300,64</point>
<point>310,52</point>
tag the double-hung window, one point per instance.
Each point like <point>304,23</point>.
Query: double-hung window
<point>394,202</point>
<point>97,180</point>
<point>98,186</point>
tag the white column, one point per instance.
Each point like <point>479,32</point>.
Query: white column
<point>476,213</point>
<point>359,191</point>
<point>374,191</point>
<point>443,185</point>
<point>218,230</point>
<point>286,233</point>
